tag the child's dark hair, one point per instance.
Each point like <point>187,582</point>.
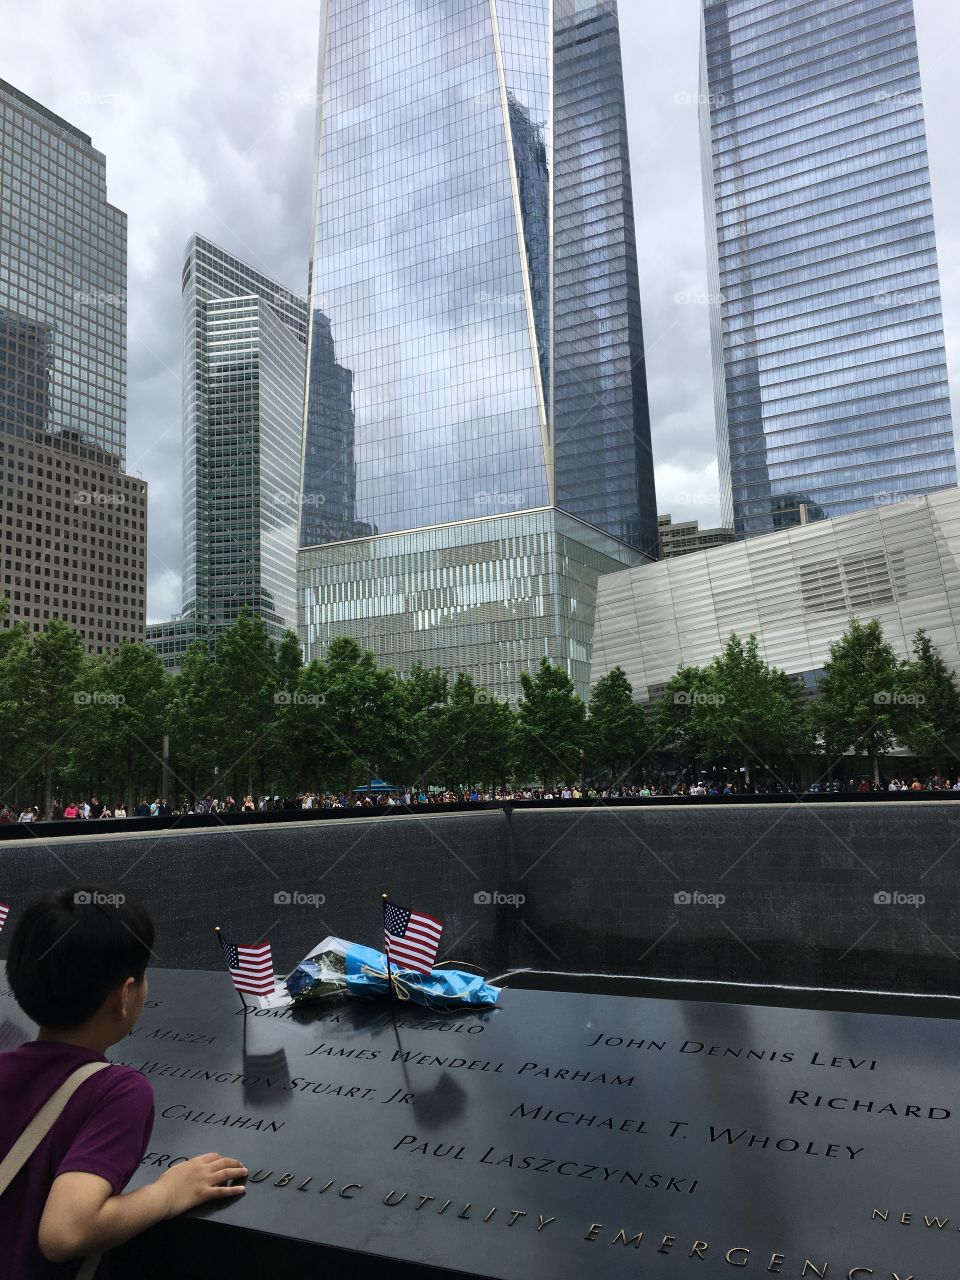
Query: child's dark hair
<point>71,948</point>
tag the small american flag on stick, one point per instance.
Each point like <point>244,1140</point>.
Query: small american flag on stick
<point>4,912</point>
<point>251,968</point>
<point>410,937</point>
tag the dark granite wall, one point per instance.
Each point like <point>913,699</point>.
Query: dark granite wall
<point>599,885</point>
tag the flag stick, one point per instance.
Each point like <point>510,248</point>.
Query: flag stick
<point>216,930</point>
<point>387,950</point>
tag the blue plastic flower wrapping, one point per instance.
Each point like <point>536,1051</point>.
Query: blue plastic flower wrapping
<point>337,967</point>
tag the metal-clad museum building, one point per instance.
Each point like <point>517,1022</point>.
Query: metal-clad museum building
<point>796,590</point>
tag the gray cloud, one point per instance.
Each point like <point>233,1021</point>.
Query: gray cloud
<point>206,113</point>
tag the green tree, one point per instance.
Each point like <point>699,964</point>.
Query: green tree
<point>281,747</point>
<point>478,732</point>
<point>247,681</point>
<point>120,733</point>
<point>12,734</point>
<point>426,695</point>
<point>190,721</point>
<point>362,721</point>
<point>856,708</point>
<point>678,727</point>
<point>930,701</point>
<point>747,710</point>
<point>618,732</point>
<point>43,671</point>
<point>551,725</point>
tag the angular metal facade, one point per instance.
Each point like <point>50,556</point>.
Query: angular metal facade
<point>795,590</point>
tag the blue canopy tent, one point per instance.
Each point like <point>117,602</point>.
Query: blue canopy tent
<point>377,786</point>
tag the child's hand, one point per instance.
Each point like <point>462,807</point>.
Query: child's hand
<point>199,1180</point>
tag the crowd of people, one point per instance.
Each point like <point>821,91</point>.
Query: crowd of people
<point>95,809</point>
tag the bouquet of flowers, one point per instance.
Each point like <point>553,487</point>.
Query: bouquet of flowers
<point>337,967</point>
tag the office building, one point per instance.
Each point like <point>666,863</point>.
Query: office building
<point>795,590</point>
<point>244,359</point>
<point>73,528</point>
<point>828,352</point>
<point>683,537</point>
<point>476,421</point>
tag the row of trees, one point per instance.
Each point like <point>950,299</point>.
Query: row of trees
<point>867,701</point>
<point>251,717</point>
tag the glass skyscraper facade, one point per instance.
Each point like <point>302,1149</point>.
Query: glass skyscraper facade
<point>828,351</point>
<point>72,525</point>
<point>476,347</point>
<point>244,361</point>
<point>63,286</point>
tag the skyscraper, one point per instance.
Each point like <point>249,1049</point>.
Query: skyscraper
<point>73,533</point>
<point>828,353</point>
<point>477,435</point>
<point>244,354</point>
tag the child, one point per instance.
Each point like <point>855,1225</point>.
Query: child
<point>76,967</point>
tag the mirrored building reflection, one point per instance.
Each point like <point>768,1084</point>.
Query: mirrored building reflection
<point>474,292</point>
<point>828,351</point>
<point>244,360</point>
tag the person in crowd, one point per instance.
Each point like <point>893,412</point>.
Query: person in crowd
<point>78,969</point>
<point>248,805</point>
<point>96,808</point>
<point>70,811</point>
<point>142,810</point>
<point>26,814</point>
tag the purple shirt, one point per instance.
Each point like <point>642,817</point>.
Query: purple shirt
<point>104,1129</point>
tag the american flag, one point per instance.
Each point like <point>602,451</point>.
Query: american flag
<point>4,912</point>
<point>411,938</point>
<point>251,968</point>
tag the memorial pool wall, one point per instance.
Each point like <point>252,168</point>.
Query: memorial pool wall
<point>852,895</point>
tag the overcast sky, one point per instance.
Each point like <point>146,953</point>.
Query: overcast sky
<point>204,109</point>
